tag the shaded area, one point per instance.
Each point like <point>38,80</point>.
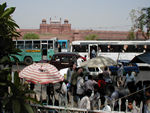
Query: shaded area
<point>142,58</point>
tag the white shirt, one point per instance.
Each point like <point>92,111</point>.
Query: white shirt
<point>107,108</point>
<point>85,103</point>
<point>64,88</point>
<point>80,83</point>
<point>79,61</point>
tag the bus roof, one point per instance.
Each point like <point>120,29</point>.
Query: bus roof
<point>55,38</point>
<point>111,42</point>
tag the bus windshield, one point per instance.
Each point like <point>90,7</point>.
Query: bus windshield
<point>64,45</point>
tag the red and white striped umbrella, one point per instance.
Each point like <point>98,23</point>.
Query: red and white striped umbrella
<point>42,73</point>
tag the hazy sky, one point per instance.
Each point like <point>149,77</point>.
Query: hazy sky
<point>82,14</point>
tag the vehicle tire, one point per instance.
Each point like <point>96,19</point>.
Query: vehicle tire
<point>28,60</point>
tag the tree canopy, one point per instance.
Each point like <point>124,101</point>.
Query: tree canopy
<point>8,31</point>
<point>131,35</point>
<point>141,21</point>
<point>31,36</point>
<point>12,95</point>
<point>144,22</point>
<point>91,37</point>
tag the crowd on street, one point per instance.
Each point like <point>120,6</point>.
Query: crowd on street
<point>86,90</point>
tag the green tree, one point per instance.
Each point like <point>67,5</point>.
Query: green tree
<point>131,34</point>
<point>15,95</point>
<point>31,36</point>
<point>90,37</point>
<point>12,95</point>
<point>134,14</point>
<point>7,32</point>
<point>142,22</point>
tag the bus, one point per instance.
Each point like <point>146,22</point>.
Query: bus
<point>117,50</point>
<point>65,45</point>
<point>34,50</point>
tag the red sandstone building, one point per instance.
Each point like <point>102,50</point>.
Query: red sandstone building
<point>55,28</point>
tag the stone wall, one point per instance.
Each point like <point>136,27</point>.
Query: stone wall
<point>64,31</point>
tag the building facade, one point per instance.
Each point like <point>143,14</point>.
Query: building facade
<point>55,28</point>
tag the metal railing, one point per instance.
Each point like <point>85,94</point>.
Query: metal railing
<point>72,108</point>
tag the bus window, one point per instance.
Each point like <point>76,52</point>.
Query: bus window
<point>80,48</point>
<point>117,48</point>
<point>63,44</point>
<point>50,44</point>
<point>130,48</point>
<point>103,48</point>
<point>74,49</point>
<point>20,44</point>
<point>56,45</point>
<point>109,48</point>
<point>59,44</point>
<point>28,44</point>
<point>36,44</point>
<point>140,48</point>
<point>148,48</point>
<point>44,41</point>
<point>121,48</point>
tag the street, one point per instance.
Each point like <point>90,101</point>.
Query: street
<point>143,75</point>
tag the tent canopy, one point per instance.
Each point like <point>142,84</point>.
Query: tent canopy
<point>142,58</point>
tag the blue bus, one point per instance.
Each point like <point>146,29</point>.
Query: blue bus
<point>65,45</point>
<point>34,50</point>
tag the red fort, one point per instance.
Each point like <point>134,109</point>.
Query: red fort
<point>63,30</point>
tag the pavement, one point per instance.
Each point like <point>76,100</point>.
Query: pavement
<point>143,76</point>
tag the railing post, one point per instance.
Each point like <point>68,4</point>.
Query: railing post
<point>60,102</point>
<point>78,102</point>
<point>141,107</point>
<point>99,104</point>
<point>113,102</point>
<point>53,100</point>
<point>134,105</point>
<point>126,106</point>
<point>66,100</point>
<point>119,105</point>
<point>47,99</point>
<point>12,75</point>
<point>106,101</point>
<point>72,102</point>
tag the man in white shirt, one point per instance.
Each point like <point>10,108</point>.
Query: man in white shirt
<point>85,101</point>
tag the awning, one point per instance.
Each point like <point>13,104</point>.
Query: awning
<point>142,58</point>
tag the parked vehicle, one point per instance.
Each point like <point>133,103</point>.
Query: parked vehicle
<point>128,67</point>
<point>65,59</point>
<point>35,50</point>
<point>94,71</point>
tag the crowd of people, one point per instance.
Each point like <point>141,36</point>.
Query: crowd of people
<point>86,90</point>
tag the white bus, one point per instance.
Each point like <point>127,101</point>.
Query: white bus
<point>117,50</point>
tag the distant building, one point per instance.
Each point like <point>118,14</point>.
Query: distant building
<point>55,28</point>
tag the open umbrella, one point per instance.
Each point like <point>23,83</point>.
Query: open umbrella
<point>99,61</point>
<point>42,73</point>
